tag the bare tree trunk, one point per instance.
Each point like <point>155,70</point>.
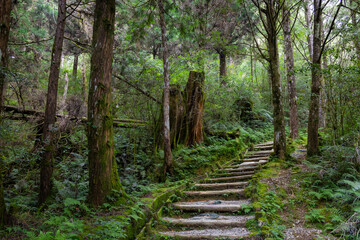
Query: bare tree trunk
<point>5,17</point>
<point>47,162</point>
<point>310,37</point>
<point>313,123</point>
<point>75,67</point>
<point>64,96</point>
<point>168,164</point>
<point>288,49</point>
<point>222,58</point>
<point>84,84</point>
<point>103,174</point>
<point>279,123</point>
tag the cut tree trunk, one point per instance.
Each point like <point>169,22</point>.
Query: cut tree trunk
<point>48,143</point>
<point>177,113</point>
<point>103,174</point>
<point>5,17</point>
<point>290,73</point>
<point>168,162</point>
<point>194,108</point>
<point>313,123</point>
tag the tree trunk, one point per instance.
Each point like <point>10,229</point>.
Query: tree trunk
<point>310,37</point>
<point>313,123</point>
<point>222,57</point>
<point>75,67</point>
<point>47,161</point>
<point>194,98</point>
<point>290,73</point>
<point>279,123</point>
<point>84,84</point>
<point>5,17</point>
<point>64,96</point>
<point>177,113</point>
<point>103,174</point>
<point>168,164</point>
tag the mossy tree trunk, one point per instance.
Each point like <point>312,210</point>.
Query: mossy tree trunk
<point>279,123</point>
<point>75,67</point>
<point>290,73</point>
<point>177,113</point>
<point>5,12</point>
<point>194,108</point>
<point>103,174</point>
<point>313,122</point>
<point>168,162</point>
<point>47,161</point>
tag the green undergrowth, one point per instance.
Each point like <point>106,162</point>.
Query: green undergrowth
<point>267,202</point>
<point>333,191</point>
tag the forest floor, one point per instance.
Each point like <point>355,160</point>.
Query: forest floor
<point>287,183</point>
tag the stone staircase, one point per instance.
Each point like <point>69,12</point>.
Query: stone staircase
<point>212,209</point>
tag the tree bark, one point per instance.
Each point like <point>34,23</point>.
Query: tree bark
<point>5,17</point>
<point>47,161</point>
<point>313,122</point>
<point>290,73</point>
<point>64,96</point>
<point>279,123</point>
<point>168,163</point>
<point>194,98</point>
<point>222,58</point>
<point>103,174</point>
<point>75,67</point>
<point>310,37</point>
<point>84,84</point>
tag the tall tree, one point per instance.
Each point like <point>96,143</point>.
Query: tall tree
<point>290,73</point>
<point>269,12</point>
<point>47,162</point>
<point>103,174</point>
<point>318,48</point>
<point>168,162</point>
<point>308,21</point>
<point>5,11</point>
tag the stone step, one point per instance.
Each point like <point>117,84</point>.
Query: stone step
<point>239,169</point>
<point>209,220</point>
<point>265,147</point>
<point>264,144</point>
<point>227,233</point>
<point>259,152</point>
<point>255,159</point>
<point>228,174</point>
<point>238,192</point>
<point>211,206</point>
<point>248,164</point>
<point>221,185</point>
<point>228,179</point>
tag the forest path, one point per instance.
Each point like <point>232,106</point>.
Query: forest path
<point>212,209</point>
